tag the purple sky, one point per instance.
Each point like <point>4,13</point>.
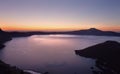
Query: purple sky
<point>59,14</point>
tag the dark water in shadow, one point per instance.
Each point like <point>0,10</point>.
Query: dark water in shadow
<point>52,53</point>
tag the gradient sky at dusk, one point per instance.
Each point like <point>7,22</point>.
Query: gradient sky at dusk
<point>59,15</point>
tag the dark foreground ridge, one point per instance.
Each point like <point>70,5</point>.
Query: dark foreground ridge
<point>4,37</point>
<point>7,69</point>
<point>107,57</point>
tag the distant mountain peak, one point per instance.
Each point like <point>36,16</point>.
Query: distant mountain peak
<point>94,29</point>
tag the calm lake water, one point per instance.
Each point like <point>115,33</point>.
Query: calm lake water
<point>52,53</point>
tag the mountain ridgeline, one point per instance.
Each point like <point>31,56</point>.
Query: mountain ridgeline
<point>94,31</point>
<point>91,31</point>
<point>6,36</point>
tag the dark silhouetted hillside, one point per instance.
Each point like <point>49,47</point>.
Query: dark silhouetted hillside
<point>7,69</point>
<point>4,36</point>
<point>93,31</point>
<point>107,57</point>
<point>25,34</point>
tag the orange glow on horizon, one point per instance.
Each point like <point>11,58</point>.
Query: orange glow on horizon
<point>55,28</point>
<point>39,28</point>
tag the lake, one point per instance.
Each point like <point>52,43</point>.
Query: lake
<point>51,53</point>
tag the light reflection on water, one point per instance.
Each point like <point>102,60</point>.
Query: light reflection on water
<point>52,53</point>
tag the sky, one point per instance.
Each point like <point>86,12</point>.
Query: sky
<point>59,15</point>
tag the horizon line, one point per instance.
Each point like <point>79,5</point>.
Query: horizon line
<point>54,30</point>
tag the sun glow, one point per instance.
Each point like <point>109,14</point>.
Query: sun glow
<point>40,28</point>
<point>57,28</point>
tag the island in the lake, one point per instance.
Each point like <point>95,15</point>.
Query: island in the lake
<point>107,55</point>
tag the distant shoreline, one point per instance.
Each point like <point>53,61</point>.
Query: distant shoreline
<point>91,31</point>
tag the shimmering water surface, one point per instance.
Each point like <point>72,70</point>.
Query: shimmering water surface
<point>51,53</point>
